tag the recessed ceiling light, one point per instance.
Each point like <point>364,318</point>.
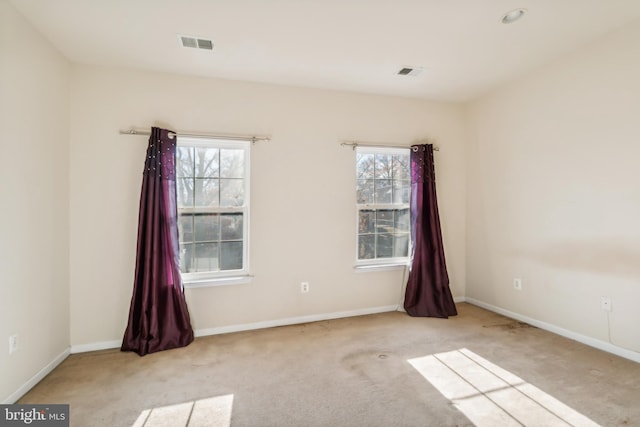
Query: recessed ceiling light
<point>513,16</point>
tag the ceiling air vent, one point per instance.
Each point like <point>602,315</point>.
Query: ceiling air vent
<point>409,71</point>
<point>195,42</point>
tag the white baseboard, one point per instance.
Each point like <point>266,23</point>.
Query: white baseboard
<point>584,339</point>
<point>104,345</point>
<point>293,320</point>
<point>13,398</point>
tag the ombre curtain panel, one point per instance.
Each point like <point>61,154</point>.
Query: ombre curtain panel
<point>427,293</point>
<point>158,315</point>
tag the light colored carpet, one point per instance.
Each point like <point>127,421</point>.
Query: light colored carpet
<point>380,370</point>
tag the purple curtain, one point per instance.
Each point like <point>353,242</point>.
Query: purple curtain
<point>427,293</point>
<point>158,316</point>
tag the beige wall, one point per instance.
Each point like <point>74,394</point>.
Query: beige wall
<point>302,193</point>
<point>34,243</point>
<point>536,180</point>
<point>554,192</point>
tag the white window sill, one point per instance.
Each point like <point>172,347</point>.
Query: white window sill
<point>365,268</point>
<point>217,281</point>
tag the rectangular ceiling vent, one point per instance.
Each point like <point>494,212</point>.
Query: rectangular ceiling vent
<point>410,71</point>
<point>195,42</point>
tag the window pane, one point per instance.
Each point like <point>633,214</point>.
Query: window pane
<point>383,191</point>
<point>231,192</point>
<point>186,258</point>
<point>383,166</point>
<point>207,192</point>
<point>366,246</point>
<point>366,221</point>
<point>231,256</point>
<point>384,221</point>
<point>211,178</point>
<point>402,220</point>
<point>364,166</point>
<point>401,169</point>
<point>185,228</point>
<point>401,190</point>
<point>231,226</point>
<point>231,163</point>
<point>207,227</point>
<point>401,245</point>
<point>384,246</point>
<point>364,191</point>
<point>383,181</point>
<point>184,161</point>
<point>184,190</point>
<point>206,257</point>
<point>207,163</point>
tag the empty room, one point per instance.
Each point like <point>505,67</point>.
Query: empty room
<point>320,213</point>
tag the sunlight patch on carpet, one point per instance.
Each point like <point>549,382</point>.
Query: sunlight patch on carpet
<point>491,396</point>
<point>211,412</point>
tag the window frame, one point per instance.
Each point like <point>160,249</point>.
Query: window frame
<point>390,262</point>
<point>221,277</point>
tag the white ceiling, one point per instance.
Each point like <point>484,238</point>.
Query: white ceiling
<point>353,45</point>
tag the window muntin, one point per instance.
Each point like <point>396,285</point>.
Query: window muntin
<point>212,183</point>
<point>383,185</point>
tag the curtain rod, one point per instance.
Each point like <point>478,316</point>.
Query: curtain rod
<point>355,144</point>
<point>252,138</point>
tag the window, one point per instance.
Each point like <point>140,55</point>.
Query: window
<point>383,185</point>
<point>212,182</point>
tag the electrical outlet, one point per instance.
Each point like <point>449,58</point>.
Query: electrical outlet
<point>304,287</point>
<point>13,344</point>
<point>605,303</point>
<point>517,284</point>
